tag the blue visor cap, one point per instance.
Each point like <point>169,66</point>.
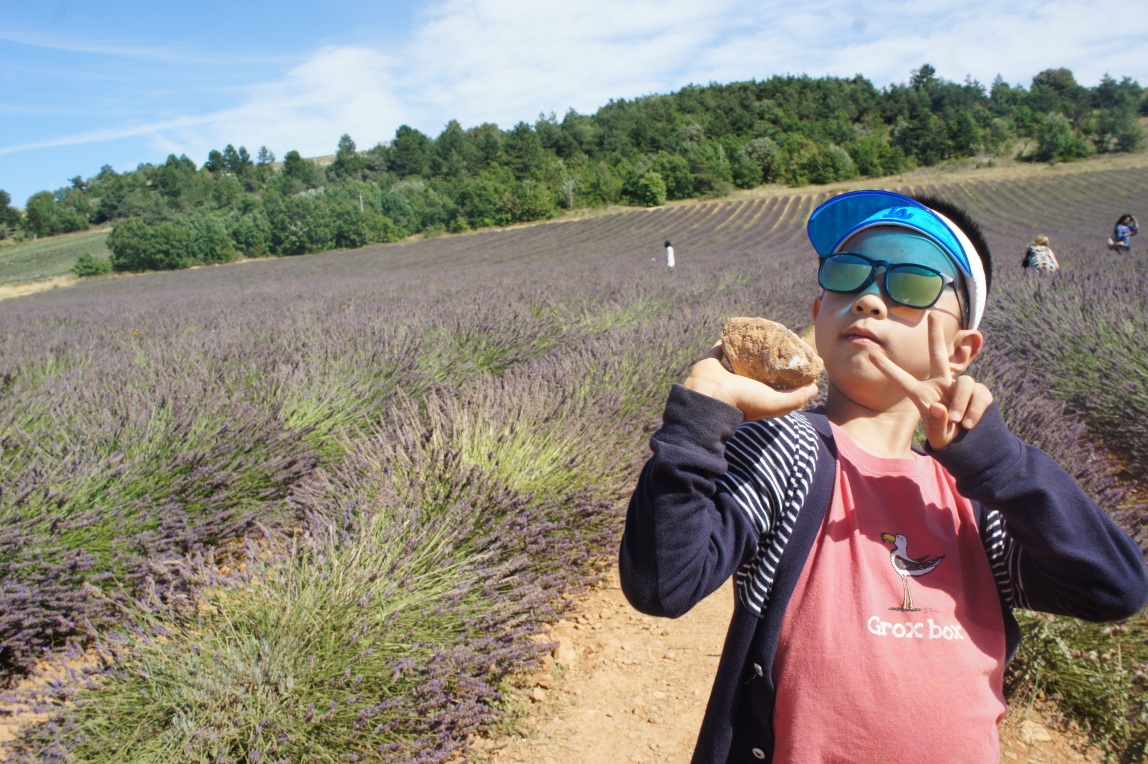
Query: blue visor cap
<point>842,216</point>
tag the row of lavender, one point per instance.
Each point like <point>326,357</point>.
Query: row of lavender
<point>473,405</point>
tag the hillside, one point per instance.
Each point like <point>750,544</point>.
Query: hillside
<point>49,257</point>
<point>55,256</point>
<point>1015,202</point>
<point>700,142</point>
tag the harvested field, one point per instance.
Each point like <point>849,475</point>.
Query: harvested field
<point>49,258</point>
<point>426,445</point>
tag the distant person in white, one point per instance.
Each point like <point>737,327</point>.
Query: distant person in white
<point>669,255</point>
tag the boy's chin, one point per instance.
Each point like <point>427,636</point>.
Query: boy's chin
<point>867,386</point>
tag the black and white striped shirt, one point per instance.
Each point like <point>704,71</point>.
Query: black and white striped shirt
<point>771,466</point>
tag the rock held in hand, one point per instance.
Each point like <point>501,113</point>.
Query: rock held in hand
<point>768,352</point>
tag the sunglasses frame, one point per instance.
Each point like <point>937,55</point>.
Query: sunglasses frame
<point>889,268</point>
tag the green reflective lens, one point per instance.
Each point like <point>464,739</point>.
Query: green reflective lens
<point>914,286</point>
<point>843,273</point>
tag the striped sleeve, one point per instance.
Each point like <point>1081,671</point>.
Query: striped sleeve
<point>1004,559</point>
<point>771,464</point>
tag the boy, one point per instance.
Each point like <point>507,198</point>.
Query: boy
<point>874,583</point>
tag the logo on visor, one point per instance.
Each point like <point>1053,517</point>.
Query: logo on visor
<point>899,213</point>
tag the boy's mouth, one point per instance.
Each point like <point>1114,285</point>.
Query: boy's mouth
<point>859,336</point>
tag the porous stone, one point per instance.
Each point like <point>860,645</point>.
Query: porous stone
<point>768,352</point>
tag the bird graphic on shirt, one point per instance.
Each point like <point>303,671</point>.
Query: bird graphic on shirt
<point>907,566</point>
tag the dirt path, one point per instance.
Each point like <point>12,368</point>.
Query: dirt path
<point>637,686</point>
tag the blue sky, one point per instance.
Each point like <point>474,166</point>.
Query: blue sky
<point>88,84</point>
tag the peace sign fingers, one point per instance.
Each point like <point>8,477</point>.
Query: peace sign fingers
<point>928,396</point>
<point>938,351</point>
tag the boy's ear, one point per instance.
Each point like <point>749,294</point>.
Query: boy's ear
<point>967,345</point>
<point>816,307</point>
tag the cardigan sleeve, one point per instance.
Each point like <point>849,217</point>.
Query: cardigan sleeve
<point>1067,556</point>
<point>683,539</point>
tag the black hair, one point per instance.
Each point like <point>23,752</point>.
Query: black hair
<point>968,226</point>
<point>667,242</point>
<point>1124,217</point>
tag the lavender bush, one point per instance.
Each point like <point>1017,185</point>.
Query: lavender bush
<point>433,442</point>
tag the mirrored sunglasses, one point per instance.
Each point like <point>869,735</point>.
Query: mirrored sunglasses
<point>908,284</point>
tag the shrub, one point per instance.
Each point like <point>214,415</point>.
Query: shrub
<point>87,265</point>
<point>252,234</point>
<point>599,185</point>
<point>480,200</point>
<point>925,137</point>
<point>766,155</point>
<point>675,172</point>
<point>841,162</point>
<point>1057,141</point>
<point>195,239</point>
<point>815,163</point>
<point>651,190</point>
<point>45,215</point>
<point>528,201</point>
<point>1119,130</point>
<point>301,224</point>
<point>711,168</point>
<point>130,247</point>
<point>873,156</point>
<point>1094,672</point>
<point>1088,337</point>
<point>210,240</point>
<point>746,174</point>
<point>966,135</point>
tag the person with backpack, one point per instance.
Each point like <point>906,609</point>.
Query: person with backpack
<point>1040,257</point>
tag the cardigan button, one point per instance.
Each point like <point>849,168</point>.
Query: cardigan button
<point>757,669</point>
<point>758,753</point>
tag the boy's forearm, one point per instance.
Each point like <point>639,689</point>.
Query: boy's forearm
<point>682,541</point>
<point>1074,559</point>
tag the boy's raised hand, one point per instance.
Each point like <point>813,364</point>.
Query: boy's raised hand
<point>756,400</point>
<point>946,404</point>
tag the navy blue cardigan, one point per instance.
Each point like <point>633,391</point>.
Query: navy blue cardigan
<point>687,533</point>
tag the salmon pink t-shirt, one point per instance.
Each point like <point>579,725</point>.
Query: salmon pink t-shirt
<point>893,646</point>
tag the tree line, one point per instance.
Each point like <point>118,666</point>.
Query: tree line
<point>700,141</point>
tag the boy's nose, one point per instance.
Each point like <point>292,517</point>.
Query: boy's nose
<point>870,303</point>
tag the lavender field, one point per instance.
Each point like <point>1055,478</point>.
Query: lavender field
<point>317,505</point>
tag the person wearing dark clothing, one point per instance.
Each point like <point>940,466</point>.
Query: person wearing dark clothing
<point>873,582</point>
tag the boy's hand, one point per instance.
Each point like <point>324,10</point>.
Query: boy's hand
<point>946,405</point>
<point>756,400</point>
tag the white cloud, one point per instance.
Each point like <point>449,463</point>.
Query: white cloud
<point>338,90</point>
<point>108,134</point>
<point>116,49</point>
<point>506,60</point>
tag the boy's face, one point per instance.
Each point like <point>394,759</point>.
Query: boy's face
<point>850,327</point>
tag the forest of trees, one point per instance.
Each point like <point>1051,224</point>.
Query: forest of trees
<point>697,142</point>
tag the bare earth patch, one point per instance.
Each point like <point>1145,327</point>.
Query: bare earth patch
<point>27,702</point>
<point>17,290</point>
<point>637,688</point>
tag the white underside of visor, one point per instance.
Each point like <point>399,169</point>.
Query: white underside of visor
<point>976,283</point>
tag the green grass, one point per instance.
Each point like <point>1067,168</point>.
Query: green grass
<point>1096,674</point>
<point>49,257</point>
